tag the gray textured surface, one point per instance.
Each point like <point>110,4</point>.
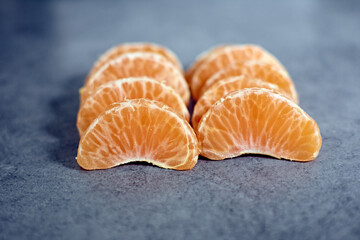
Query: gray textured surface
<point>46,50</point>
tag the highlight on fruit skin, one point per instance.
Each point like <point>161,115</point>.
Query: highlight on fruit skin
<point>138,64</point>
<point>125,89</point>
<point>120,49</point>
<point>258,121</point>
<point>226,56</point>
<point>223,87</point>
<point>138,130</point>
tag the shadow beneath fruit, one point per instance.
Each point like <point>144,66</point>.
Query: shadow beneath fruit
<point>63,110</point>
<point>248,156</point>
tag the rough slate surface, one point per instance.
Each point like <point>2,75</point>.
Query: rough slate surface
<point>46,49</point>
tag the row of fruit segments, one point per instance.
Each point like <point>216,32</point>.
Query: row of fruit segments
<point>134,108</point>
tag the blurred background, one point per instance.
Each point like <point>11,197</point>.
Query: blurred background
<point>46,51</point>
<point>72,34</point>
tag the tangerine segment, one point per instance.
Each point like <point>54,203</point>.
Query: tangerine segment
<point>257,120</point>
<point>128,88</point>
<point>259,70</point>
<point>139,65</point>
<point>116,51</point>
<point>200,59</point>
<point>223,87</point>
<point>138,130</point>
<point>225,57</point>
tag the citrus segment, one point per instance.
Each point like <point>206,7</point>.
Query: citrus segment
<point>258,121</point>
<point>139,65</point>
<point>116,51</point>
<point>128,88</point>
<point>138,130</point>
<point>220,89</point>
<point>259,70</point>
<point>225,57</point>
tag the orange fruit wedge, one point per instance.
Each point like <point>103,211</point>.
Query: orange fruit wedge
<point>138,130</point>
<point>116,51</point>
<point>260,121</point>
<point>223,87</point>
<point>138,64</point>
<point>256,69</point>
<point>200,60</point>
<point>225,57</point>
<point>128,88</point>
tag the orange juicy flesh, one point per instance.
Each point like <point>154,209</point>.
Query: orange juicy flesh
<point>259,70</point>
<point>225,57</point>
<point>139,65</point>
<point>128,88</point>
<point>223,87</point>
<point>258,121</point>
<point>138,130</point>
<point>116,51</point>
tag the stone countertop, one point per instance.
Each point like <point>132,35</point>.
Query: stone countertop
<point>47,48</point>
